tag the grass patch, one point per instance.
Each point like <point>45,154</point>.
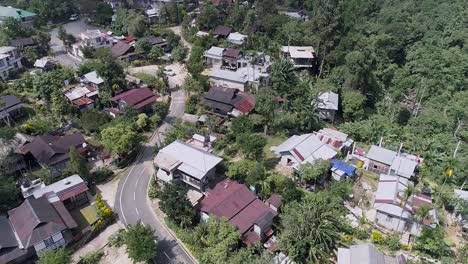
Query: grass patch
<point>270,158</point>
<point>85,216</point>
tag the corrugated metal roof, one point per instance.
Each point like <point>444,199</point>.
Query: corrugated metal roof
<point>382,155</point>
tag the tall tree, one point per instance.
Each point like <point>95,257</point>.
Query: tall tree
<point>120,138</point>
<point>175,204</point>
<point>77,165</point>
<point>141,242</point>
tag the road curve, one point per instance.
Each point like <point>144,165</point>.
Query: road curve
<point>131,199</point>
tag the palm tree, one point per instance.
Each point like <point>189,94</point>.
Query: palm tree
<point>407,194</point>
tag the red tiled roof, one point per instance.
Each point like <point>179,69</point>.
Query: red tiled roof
<point>227,199</point>
<point>239,205</point>
<point>135,96</point>
<point>244,102</point>
<point>276,200</point>
<point>83,101</point>
<point>145,102</point>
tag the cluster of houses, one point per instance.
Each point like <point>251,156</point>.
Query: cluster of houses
<point>43,221</point>
<point>393,211</point>
<point>192,163</point>
<point>122,48</point>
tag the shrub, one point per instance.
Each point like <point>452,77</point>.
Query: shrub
<point>393,242</point>
<point>118,238</point>
<point>360,233</point>
<point>91,258</point>
<point>101,175</point>
<point>154,188</point>
<point>377,238</point>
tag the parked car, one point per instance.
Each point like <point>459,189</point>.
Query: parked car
<point>169,72</point>
<point>74,17</point>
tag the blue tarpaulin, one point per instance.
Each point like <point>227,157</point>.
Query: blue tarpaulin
<point>343,166</point>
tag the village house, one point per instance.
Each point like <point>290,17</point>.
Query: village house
<point>228,102</point>
<point>93,39</point>
<point>25,17</point>
<point>214,57</point>
<point>462,217</point>
<point>307,148</point>
<point>236,38</point>
<point>92,79</point>
<point>71,191</point>
<point>83,97</point>
<point>123,50</point>
<point>327,105</point>
<point>44,64</point>
<point>229,79</point>
<point>242,208</point>
<point>115,4</point>
<point>394,213</point>
<point>53,151</point>
<point>11,108</point>
<point>10,149</point>
<point>366,254</point>
<point>336,139</point>
<point>23,42</point>
<point>222,32</point>
<point>385,161</point>
<point>301,15</point>
<point>301,57</point>
<point>33,228</point>
<point>231,58</point>
<point>192,165</point>
<point>140,99</point>
<point>157,41</point>
<point>275,202</point>
<point>10,60</point>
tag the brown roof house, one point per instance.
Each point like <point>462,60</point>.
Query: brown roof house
<point>122,50</point>
<point>11,108</point>
<point>222,32</point>
<point>235,202</point>
<point>231,58</point>
<point>140,99</point>
<point>53,151</point>
<point>157,41</point>
<point>228,102</point>
<point>33,228</point>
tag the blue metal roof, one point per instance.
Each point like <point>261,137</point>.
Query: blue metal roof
<point>343,166</point>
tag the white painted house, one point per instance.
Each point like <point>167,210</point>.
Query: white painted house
<point>214,57</point>
<point>307,148</point>
<point>236,38</point>
<point>10,60</point>
<point>192,165</point>
<point>91,38</point>
<point>327,105</point>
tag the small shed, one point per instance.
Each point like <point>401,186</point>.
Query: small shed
<point>341,169</point>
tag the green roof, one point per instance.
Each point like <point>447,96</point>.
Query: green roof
<point>6,11</point>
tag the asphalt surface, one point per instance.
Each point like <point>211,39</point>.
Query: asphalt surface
<point>132,203</point>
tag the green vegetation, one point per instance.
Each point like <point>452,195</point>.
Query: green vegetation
<point>174,202</point>
<point>140,241</point>
<point>56,256</point>
<point>91,258</point>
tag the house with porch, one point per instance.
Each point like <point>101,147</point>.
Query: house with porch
<point>11,108</point>
<point>71,191</point>
<point>33,228</point>
<point>83,97</point>
<point>242,208</point>
<point>92,79</point>
<point>300,56</point>
<point>307,148</point>
<point>231,59</point>
<point>192,165</point>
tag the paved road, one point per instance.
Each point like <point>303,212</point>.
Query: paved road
<point>131,200</point>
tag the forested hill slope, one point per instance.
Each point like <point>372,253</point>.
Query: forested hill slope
<point>400,67</point>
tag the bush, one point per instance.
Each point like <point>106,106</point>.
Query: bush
<point>118,238</point>
<point>7,133</point>
<point>377,238</point>
<point>361,234</point>
<point>91,258</point>
<point>154,188</point>
<point>393,242</point>
<point>101,175</point>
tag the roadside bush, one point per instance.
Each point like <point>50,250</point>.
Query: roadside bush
<point>161,109</point>
<point>377,238</point>
<point>101,175</point>
<point>91,258</point>
<point>153,189</point>
<point>118,238</point>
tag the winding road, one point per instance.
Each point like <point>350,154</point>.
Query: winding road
<point>132,202</point>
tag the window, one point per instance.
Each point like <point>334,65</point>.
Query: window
<point>48,242</point>
<point>389,218</point>
<point>375,166</point>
